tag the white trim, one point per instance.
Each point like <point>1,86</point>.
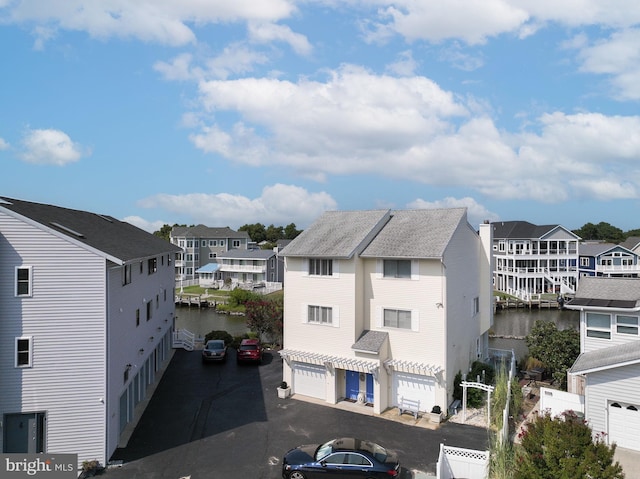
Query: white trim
<point>15,357</point>
<point>15,282</point>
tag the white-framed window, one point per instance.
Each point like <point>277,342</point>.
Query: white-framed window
<point>152,265</point>
<point>397,318</point>
<point>221,243</point>
<point>476,305</point>
<point>598,325</point>
<point>213,243</point>
<point>627,324</point>
<point>236,244</point>
<point>24,281</point>
<point>212,255</point>
<point>320,267</point>
<point>181,243</point>
<point>24,352</point>
<point>189,257</point>
<point>320,315</point>
<point>203,243</point>
<point>584,261</point>
<point>190,243</point>
<point>396,268</point>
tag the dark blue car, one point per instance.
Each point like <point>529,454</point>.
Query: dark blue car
<point>340,458</point>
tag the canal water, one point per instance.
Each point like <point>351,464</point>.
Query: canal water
<point>511,326</point>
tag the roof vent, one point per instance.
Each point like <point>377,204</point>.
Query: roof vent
<point>67,230</point>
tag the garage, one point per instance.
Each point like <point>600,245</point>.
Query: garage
<point>310,380</point>
<point>624,424</point>
<point>414,387</point>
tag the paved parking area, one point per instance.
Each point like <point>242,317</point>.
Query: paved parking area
<point>226,420</point>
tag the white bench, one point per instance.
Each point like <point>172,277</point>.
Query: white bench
<point>411,406</point>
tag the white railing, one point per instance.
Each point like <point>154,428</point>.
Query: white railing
<point>185,339</point>
<point>243,268</point>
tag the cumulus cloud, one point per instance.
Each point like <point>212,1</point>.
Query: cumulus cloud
<point>409,128</point>
<point>149,226</point>
<point>3,144</point>
<point>279,204</point>
<point>476,213</point>
<point>269,32</point>
<point>50,147</point>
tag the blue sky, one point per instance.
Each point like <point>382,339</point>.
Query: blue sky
<point>227,113</point>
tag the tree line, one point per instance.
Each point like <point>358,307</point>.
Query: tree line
<point>257,232</point>
<point>604,232</point>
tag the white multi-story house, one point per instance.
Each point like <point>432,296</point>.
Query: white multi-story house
<point>531,260</point>
<point>201,245</point>
<point>607,372</point>
<point>252,267</point>
<point>86,308</point>
<point>386,307</point>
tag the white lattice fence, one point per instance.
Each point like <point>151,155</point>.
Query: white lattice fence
<point>458,462</point>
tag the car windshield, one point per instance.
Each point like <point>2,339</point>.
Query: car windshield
<point>248,347</point>
<point>215,345</point>
<point>324,450</point>
<point>379,452</point>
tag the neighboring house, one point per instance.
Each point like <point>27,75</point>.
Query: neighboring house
<point>607,372</point>
<point>609,260</point>
<point>201,245</point>
<point>386,307</point>
<point>531,260</point>
<point>87,309</point>
<point>632,243</point>
<point>249,268</point>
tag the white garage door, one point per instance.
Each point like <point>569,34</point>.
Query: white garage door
<point>309,380</point>
<point>624,424</point>
<point>415,388</point>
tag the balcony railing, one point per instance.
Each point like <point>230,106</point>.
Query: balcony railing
<point>242,268</point>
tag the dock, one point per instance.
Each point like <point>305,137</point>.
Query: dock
<point>197,300</point>
<point>508,303</point>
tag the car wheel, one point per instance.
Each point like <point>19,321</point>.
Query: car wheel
<point>296,475</point>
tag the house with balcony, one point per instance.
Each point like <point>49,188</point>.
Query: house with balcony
<point>385,307</point>
<point>200,246</point>
<point>607,371</point>
<point>87,312</point>
<point>609,260</point>
<point>531,260</point>
<point>250,269</point>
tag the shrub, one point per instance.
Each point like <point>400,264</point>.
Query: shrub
<point>228,339</point>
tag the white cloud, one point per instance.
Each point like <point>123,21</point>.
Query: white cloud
<point>149,226</point>
<point>476,213</point>
<point>50,147</point>
<point>404,66</point>
<point>3,144</point>
<point>279,204</point>
<point>160,21</point>
<point>268,32</point>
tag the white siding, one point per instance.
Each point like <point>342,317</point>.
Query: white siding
<point>618,384</point>
<point>66,317</point>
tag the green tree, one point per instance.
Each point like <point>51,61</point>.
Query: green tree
<point>255,231</point>
<point>601,232</point>
<point>557,350</point>
<point>265,317</point>
<point>290,231</point>
<point>165,230</point>
<point>563,448</point>
<point>274,233</point>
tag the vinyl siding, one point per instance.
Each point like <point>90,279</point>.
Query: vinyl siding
<point>66,318</point>
<point>592,344</point>
<point>618,384</point>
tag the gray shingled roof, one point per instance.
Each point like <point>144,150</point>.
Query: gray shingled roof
<point>612,292</point>
<point>337,234</point>
<point>202,231</point>
<point>594,249</point>
<point>631,242</point>
<point>370,341</point>
<point>521,230</point>
<point>416,234</point>
<point>607,358</point>
<point>115,238</point>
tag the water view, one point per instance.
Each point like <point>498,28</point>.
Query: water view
<point>200,321</point>
<point>510,326</point>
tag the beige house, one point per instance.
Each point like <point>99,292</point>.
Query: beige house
<point>385,307</point>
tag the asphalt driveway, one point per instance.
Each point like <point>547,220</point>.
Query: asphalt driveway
<point>226,420</point>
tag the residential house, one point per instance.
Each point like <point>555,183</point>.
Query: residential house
<point>87,307</point>
<point>201,245</point>
<point>386,307</point>
<point>607,372</point>
<point>531,260</point>
<point>607,259</point>
<point>252,268</point>
<point>632,243</point>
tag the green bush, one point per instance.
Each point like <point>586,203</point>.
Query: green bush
<point>239,297</point>
<point>228,339</point>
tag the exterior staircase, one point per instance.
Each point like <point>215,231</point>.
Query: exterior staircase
<point>183,338</point>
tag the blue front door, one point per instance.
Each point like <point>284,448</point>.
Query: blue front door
<point>369,384</point>
<point>352,385</point>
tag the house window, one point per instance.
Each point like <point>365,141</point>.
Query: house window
<point>397,318</point>
<point>189,257</point>
<point>236,243</point>
<point>157,301</point>
<point>397,268</point>
<point>320,315</point>
<point>584,261</point>
<point>320,267</point>
<point>137,317</point>
<point>212,243</point>
<point>152,265</point>
<point>24,350</point>
<point>627,324</point>
<point>181,243</point>
<point>476,305</point>
<point>126,271</point>
<point>149,310</point>
<point>203,243</point>
<point>189,243</point>
<point>141,267</point>
<point>212,255</point>
<point>598,325</point>
<point>23,281</point>
<point>221,243</point>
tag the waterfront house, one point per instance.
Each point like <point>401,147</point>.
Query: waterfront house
<point>607,372</point>
<point>385,307</point>
<point>200,246</point>
<point>250,269</point>
<point>531,260</point>
<point>609,260</point>
<point>87,308</point>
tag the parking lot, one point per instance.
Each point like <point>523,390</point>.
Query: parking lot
<point>226,420</point>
